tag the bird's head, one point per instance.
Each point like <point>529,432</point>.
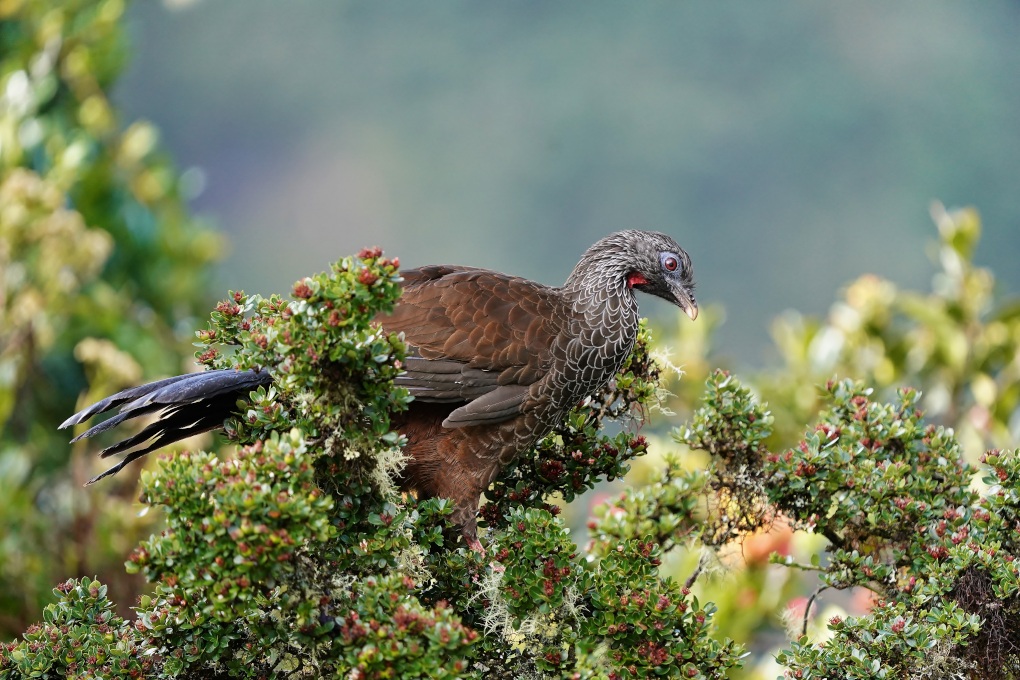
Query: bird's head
<point>648,261</point>
<point>659,266</point>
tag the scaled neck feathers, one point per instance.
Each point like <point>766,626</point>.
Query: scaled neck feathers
<point>600,278</point>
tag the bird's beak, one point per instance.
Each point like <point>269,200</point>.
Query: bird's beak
<point>687,303</point>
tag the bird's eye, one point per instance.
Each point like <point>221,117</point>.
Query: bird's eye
<point>670,262</point>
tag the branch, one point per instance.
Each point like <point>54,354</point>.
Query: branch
<point>801,565</point>
<point>807,609</point>
<point>697,572</point>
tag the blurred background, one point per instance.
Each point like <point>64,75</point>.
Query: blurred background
<point>789,146</point>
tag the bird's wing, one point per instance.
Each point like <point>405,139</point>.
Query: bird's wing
<point>475,336</point>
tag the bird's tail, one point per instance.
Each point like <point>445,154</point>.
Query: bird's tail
<point>185,405</point>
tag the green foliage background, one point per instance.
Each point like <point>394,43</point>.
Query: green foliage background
<point>102,273</point>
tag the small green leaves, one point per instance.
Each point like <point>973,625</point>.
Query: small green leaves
<point>732,426</point>
<point>653,626</point>
<point>380,630</point>
<point>893,496</point>
<point>80,637</point>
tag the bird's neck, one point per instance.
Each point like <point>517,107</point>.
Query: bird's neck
<point>602,326</point>
<point>599,284</point>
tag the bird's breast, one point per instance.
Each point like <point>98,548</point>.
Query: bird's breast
<point>590,354</point>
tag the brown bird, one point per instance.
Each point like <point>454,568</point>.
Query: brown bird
<point>494,363</point>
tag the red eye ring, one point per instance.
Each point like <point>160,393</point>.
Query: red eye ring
<point>670,263</point>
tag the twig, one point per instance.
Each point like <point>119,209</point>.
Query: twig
<point>697,572</point>
<point>801,565</point>
<point>807,609</point>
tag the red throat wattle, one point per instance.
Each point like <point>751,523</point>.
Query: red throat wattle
<point>635,279</point>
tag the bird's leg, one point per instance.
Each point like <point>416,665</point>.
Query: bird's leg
<point>466,517</point>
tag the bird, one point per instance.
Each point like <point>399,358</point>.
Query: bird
<point>494,362</point>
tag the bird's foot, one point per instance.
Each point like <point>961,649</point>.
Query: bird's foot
<point>474,544</point>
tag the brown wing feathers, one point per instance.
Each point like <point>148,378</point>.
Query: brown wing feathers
<point>476,336</point>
